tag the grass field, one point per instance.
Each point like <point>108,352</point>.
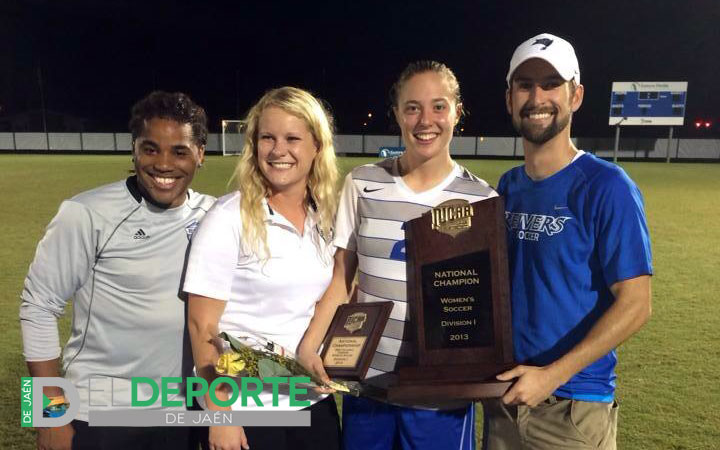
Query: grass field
<point>668,373</point>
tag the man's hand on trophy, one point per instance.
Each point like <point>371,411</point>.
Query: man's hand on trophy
<point>532,385</point>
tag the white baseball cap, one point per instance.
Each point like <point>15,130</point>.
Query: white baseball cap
<point>556,51</point>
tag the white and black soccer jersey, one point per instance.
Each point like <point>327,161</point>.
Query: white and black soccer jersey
<point>121,259</point>
<point>374,207</point>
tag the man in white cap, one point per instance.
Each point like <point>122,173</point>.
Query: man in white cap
<point>580,264</point>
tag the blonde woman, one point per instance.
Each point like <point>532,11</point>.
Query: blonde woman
<point>263,256</point>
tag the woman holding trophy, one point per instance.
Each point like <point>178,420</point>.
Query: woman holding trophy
<point>377,199</point>
<point>263,256</point>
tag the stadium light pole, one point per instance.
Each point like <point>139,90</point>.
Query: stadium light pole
<point>617,138</point>
<point>237,94</point>
<point>42,107</point>
<point>224,124</point>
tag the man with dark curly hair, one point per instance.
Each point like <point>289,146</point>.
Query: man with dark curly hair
<point>119,251</point>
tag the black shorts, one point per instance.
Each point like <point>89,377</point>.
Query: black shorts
<point>140,438</point>
<point>323,434</point>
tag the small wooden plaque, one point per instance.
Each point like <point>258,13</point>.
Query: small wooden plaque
<point>352,338</point>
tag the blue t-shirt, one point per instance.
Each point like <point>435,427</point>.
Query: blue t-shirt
<point>570,237</point>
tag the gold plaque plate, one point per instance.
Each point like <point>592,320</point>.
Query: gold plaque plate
<point>452,217</point>
<point>344,351</point>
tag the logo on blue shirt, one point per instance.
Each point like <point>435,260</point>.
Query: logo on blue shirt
<point>531,226</point>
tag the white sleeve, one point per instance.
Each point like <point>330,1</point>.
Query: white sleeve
<point>62,264</point>
<point>214,253</point>
<point>347,221</point>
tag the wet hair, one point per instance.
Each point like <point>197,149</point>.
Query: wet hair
<point>173,106</point>
<point>418,67</point>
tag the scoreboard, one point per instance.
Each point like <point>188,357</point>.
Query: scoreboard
<point>648,103</point>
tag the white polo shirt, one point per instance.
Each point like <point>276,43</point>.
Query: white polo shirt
<point>274,298</point>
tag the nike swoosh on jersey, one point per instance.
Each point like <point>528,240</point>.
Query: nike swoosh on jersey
<point>365,189</point>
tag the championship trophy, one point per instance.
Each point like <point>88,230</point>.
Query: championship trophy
<point>459,300</point>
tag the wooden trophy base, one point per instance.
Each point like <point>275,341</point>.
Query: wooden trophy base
<point>443,383</point>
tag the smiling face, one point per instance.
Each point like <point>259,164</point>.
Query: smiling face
<point>166,158</point>
<point>541,102</point>
<point>285,150</point>
<point>426,112</point>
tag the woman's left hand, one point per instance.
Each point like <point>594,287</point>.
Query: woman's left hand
<point>312,362</point>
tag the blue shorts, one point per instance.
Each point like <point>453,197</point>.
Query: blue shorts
<point>373,425</point>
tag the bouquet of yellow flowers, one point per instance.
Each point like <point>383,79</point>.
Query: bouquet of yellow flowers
<point>250,355</point>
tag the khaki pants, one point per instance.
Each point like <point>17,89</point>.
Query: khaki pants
<point>553,424</point>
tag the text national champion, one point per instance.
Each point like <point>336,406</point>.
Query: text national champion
<point>458,277</point>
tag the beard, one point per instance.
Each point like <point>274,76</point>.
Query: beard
<point>540,135</point>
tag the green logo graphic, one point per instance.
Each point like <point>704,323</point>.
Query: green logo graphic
<point>33,402</point>
<point>26,413</point>
<point>37,410</point>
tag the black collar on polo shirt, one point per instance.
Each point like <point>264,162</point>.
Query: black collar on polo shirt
<point>132,186</point>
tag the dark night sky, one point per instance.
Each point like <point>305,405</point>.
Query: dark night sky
<point>99,56</point>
